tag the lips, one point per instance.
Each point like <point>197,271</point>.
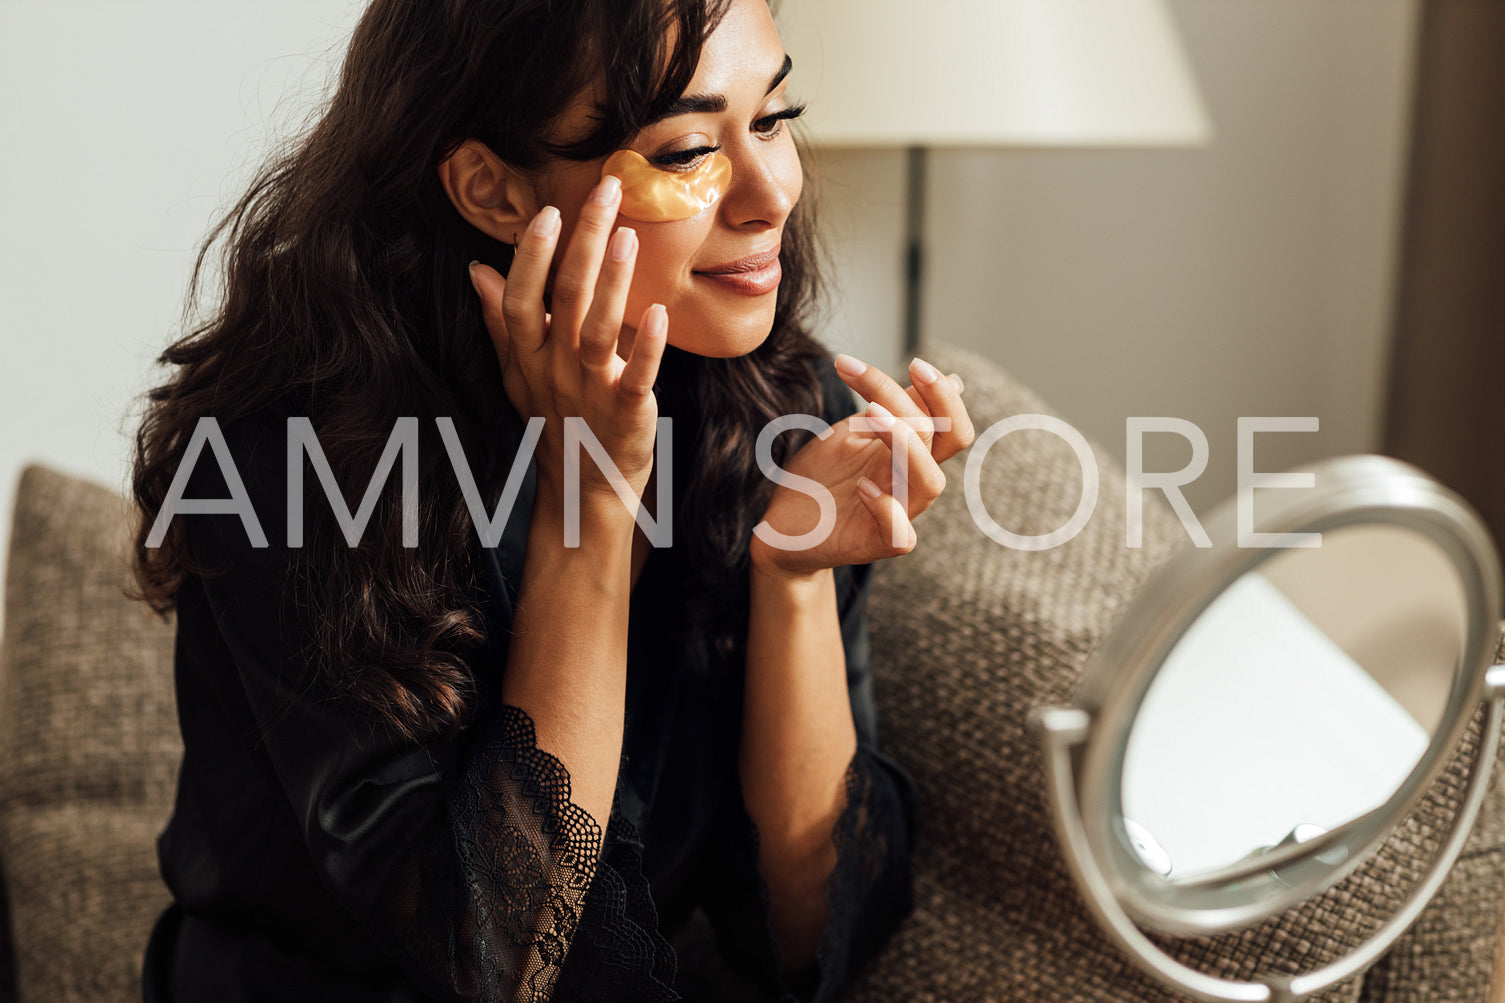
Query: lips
<point>754,275</point>
<point>751,263</point>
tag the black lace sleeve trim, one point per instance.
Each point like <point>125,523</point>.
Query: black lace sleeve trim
<point>520,899</point>
<point>868,894</point>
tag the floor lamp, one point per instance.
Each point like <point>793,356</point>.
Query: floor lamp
<point>886,74</point>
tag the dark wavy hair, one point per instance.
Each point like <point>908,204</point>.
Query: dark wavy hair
<point>344,269</point>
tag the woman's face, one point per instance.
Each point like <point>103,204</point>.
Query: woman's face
<point>731,85</point>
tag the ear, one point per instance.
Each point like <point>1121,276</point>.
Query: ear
<point>489,195</point>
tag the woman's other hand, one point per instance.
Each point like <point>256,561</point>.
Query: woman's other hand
<point>565,364</point>
<point>855,463</point>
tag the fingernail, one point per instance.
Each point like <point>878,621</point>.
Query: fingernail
<point>960,386</point>
<point>868,488</point>
<point>849,366</point>
<point>607,191</point>
<point>623,243</point>
<point>546,222</point>
<point>473,283</point>
<point>880,414</point>
<point>658,320</point>
<point>923,371</point>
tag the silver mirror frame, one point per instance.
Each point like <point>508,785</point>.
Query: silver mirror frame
<point>1085,744</point>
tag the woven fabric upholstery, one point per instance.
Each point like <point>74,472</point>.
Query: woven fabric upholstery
<point>1451,952</point>
<point>7,949</point>
<point>968,636</point>
<point>89,746</point>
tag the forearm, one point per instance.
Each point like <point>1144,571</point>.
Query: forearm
<point>798,738</point>
<point>567,656</point>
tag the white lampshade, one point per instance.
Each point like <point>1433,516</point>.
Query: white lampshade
<point>1060,73</point>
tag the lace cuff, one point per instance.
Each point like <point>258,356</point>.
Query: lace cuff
<point>869,892</point>
<point>513,897</point>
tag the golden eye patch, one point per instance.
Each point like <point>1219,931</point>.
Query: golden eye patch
<point>656,196</point>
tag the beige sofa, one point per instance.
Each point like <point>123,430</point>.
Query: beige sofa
<point>968,636</point>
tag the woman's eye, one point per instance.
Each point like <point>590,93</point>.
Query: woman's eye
<point>769,125</point>
<point>684,158</point>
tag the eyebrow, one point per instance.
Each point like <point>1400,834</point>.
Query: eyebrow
<point>713,103</point>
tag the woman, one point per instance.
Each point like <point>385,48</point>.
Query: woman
<point>424,765</point>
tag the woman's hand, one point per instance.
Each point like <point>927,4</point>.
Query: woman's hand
<point>857,466</point>
<point>564,364</point>
<point>931,396</point>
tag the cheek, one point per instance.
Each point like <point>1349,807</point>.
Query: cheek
<point>788,170</point>
<point>666,254</point>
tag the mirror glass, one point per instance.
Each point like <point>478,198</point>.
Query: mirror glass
<point>1299,701</point>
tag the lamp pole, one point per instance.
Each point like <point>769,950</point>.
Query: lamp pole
<point>914,255</point>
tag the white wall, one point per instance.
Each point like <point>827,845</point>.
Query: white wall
<point>1249,278</point>
<point>125,127</point>
<point>1252,277</point>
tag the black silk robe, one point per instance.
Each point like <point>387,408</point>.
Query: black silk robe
<point>312,856</point>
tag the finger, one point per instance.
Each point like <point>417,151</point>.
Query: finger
<point>894,528</point>
<point>603,321</point>
<point>516,302</point>
<point>873,384</point>
<point>918,478</point>
<point>641,370</point>
<point>489,287</point>
<point>575,282</point>
<point>942,400</point>
<point>914,394</point>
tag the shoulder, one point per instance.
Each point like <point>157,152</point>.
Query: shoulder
<point>250,449</point>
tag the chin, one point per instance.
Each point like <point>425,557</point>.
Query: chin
<point>728,338</point>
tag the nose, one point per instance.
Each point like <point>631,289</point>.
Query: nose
<point>765,185</point>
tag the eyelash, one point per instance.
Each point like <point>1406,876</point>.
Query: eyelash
<point>684,158</point>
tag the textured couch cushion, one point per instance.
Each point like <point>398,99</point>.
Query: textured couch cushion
<point>89,746</point>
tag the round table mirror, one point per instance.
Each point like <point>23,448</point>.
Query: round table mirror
<point>1261,719</point>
